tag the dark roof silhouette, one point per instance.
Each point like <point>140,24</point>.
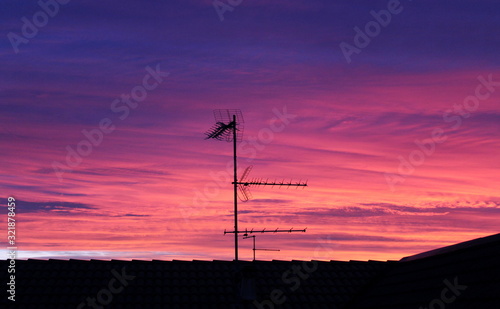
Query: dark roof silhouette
<point>460,276</point>
<point>465,275</point>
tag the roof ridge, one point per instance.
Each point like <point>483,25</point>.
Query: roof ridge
<point>453,248</point>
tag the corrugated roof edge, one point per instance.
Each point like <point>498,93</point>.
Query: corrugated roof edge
<point>448,249</point>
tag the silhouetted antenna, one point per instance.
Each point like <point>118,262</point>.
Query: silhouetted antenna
<point>225,124</point>
<point>255,249</point>
<point>283,183</point>
<point>229,127</point>
<point>277,230</point>
<point>243,185</point>
<point>246,232</point>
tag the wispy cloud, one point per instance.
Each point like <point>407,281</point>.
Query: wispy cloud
<point>51,206</point>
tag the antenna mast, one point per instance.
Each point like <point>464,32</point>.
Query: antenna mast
<point>227,123</point>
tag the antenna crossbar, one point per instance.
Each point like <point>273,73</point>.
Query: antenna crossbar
<point>274,183</point>
<point>246,232</point>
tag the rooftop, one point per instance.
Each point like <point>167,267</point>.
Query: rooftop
<point>459,276</point>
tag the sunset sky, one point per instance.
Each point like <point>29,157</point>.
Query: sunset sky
<point>396,131</point>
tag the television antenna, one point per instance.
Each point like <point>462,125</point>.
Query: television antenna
<point>227,121</point>
<point>243,184</point>
<point>229,127</point>
<point>255,249</point>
